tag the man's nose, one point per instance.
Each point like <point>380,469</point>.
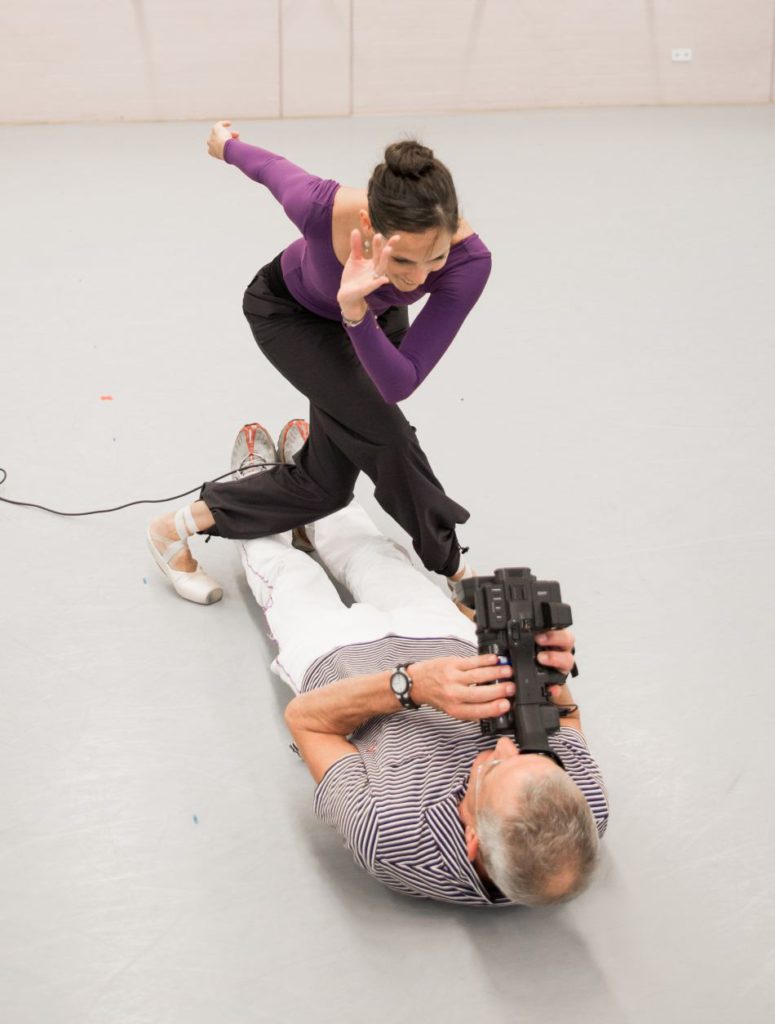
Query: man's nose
<point>506,747</point>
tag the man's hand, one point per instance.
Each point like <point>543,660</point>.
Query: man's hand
<point>556,653</point>
<point>220,133</point>
<point>454,686</point>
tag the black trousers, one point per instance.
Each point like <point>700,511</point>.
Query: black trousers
<point>352,429</point>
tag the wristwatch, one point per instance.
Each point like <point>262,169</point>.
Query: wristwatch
<point>401,685</point>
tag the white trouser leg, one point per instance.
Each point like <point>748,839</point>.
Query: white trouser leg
<point>378,572</point>
<point>303,610</point>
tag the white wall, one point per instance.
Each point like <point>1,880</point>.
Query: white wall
<point>490,54</point>
<point>97,60</point>
<point>88,60</point>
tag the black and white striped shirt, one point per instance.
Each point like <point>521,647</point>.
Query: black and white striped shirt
<point>395,802</point>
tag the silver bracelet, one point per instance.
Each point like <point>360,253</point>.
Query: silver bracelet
<point>354,323</point>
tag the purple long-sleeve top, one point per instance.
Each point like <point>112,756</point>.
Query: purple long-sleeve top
<point>313,274</point>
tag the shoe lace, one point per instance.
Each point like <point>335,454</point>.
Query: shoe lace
<point>251,461</point>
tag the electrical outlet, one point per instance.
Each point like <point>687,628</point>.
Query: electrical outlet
<point>681,56</point>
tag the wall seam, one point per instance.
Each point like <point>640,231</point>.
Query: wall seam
<point>772,58</point>
<point>350,84</point>
<point>280,91</point>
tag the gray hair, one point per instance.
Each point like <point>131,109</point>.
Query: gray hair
<point>546,850</point>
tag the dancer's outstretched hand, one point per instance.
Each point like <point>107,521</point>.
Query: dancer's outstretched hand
<point>220,133</point>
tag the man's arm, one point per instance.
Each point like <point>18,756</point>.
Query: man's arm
<point>320,720</point>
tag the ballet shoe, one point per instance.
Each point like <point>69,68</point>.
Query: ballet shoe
<point>193,586</point>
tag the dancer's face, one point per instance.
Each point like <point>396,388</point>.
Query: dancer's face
<point>415,255</point>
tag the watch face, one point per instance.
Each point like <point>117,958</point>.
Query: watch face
<point>399,683</point>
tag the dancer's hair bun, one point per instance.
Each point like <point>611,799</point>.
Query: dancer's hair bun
<point>409,159</point>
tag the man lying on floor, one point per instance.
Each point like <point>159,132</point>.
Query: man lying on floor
<point>427,804</point>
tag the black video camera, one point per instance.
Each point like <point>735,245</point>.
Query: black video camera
<point>511,607</point>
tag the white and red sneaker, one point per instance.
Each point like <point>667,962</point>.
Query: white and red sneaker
<point>253,451</point>
<point>292,439</point>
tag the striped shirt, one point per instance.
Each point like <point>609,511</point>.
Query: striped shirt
<point>395,801</point>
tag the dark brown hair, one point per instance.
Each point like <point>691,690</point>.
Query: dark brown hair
<point>412,191</point>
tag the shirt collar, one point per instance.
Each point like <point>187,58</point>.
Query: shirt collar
<point>448,833</point>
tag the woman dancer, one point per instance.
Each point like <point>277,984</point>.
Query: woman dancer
<point>330,312</point>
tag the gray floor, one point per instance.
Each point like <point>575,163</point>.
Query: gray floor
<point>606,414</point>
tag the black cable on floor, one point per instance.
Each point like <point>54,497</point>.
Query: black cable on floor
<point>116,508</point>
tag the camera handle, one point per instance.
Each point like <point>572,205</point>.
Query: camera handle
<point>535,717</point>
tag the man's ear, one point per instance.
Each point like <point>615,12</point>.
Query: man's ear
<point>472,843</point>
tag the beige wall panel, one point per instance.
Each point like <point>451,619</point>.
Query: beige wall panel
<point>207,59</point>
<point>409,55</point>
<point>84,60</point>
<point>485,54</point>
<point>489,54</point>
<point>732,49</point>
<point>71,61</point>
<point>81,60</point>
<point>537,53</point>
<point>315,58</point>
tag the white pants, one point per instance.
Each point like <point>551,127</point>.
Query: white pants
<point>305,614</point>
